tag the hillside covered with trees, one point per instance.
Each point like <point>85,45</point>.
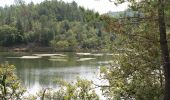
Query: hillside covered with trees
<point>55,24</point>
<point>140,69</point>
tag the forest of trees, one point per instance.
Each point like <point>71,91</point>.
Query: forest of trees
<point>56,24</point>
<point>141,71</point>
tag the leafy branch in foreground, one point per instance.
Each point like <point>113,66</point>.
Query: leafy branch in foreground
<point>10,86</point>
<point>141,70</point>
<point>81,90</point>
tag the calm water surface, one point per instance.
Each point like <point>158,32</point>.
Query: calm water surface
<point>39,73</point>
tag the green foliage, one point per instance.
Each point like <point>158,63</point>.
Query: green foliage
<point>137,72</point>
<point>61,45</point>
<point>81,90</point>
<point>10,86</point>
<point>50,22</point>
<point>9,36</point>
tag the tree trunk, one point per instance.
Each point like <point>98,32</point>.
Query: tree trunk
<point>164,48</point>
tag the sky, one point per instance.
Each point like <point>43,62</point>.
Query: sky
<point>101,6</point>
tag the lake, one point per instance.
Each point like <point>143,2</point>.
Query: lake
<point>39,70</point>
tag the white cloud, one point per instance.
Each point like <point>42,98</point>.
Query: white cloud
<point>102,6</point>
<point>6,2</point>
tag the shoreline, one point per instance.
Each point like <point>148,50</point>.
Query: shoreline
<point>45,49</point>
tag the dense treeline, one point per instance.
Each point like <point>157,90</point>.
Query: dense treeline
<point>141,62</point>
<point>56,24</point>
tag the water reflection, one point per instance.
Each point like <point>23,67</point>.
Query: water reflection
<point>40,73</point>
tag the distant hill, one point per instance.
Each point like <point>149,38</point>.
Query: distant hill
<point>127,13</point>
<point>115,14</point>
